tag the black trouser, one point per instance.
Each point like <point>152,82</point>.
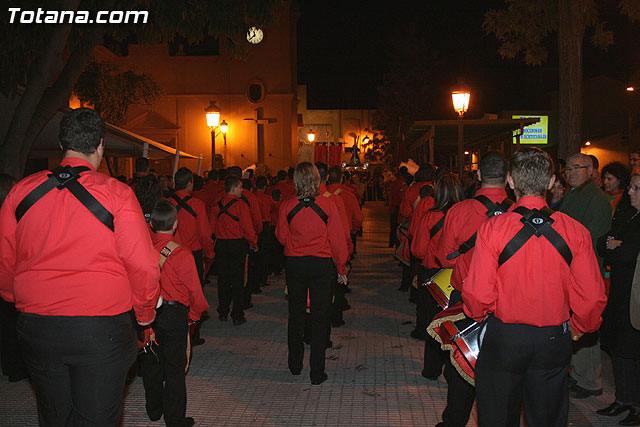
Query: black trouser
<point>164,384</point>
<point>265,240</point>
<point>393,227</point>
<point>523,363</point>
<point>198,256</point>
<point>78,366</point>
<point>626,373</point>
<point>338,301</point>
<point>434,356</point>
<point>232,256</point>
<point>313,274</point>
<point>10,355</point>
<point>354,239</point>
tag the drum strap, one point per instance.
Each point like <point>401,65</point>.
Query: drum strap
<point>493,209</point>
<point>182,204</point>
<point>307,202</point>
<point>535,223</point>
<point>224,209</point>
<point>166,251</point>
<point>438,226</point>
<point>66,177</point>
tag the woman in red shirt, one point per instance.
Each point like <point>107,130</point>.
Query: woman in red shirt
<point>310,229</point>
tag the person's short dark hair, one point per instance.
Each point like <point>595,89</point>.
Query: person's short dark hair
<point>335,175</point>
<point>595,162</point>
<point>148,191</point>
<point>142,165</point>
<point>620,171</point>
<point>81,130</point>
<point>246,184</point>
<point>531,171</point>
<point>212,175</point>
<point>6,184</point>
<point>425,173</point>
<point>235,170</point>
<point>163,216</point>
<point>347,176</point>
<point>290,172</point>
<point>282,175</point>
<point>250,173</point>
<point>493,168</point>
<point>403,170</point>
<point>121,178</point>
<point>426,191</point>
<point>408,179</point>
<point>222,174</point>
<point>261,182</point>
<point>198,183</point>
<point>230,183</point>
<point>324,171</point>
<point>182,178</point>
<point>276,194</point>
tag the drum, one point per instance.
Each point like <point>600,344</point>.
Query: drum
<point>461,336</point>
<point>439,286</point>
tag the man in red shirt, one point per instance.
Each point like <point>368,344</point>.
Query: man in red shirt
<point>75,260</point>
<point>267,237</point>
<point>535,274</point>
<point>287,190</point>
<point>183,300</point>
<point>396,192</point>
<point>455,251</point>
<point>350,200</point>
<point>234,237</point>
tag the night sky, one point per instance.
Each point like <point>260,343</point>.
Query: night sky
<point>343,53</point>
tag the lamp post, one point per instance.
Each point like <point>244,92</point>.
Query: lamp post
<point>460,105</point>
<point>213,119</point>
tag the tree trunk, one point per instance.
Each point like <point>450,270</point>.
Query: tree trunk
<point>571,28</point>
<point>14,156</point>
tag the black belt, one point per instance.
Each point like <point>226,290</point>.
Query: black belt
<point>173,303</point>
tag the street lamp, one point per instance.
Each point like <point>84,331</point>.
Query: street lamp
<point>213,119</point>
<point>460,105</point>
<point>311,136</point>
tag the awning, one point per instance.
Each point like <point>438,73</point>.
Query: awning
<point>119,142</point>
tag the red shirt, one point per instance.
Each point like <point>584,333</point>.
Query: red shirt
<point>60,260</point>
<point>265,202</point>
<point>409,199</point>
<point>342,212</point>
<point>396,192</point>
<point>226,227</point>
<point>254,210</point>
<point>463,219</point>
<point>286,190</point>
<point>194,233</point>
<point>535,286</point>
<point>351,205</point>
<point>423,246</point>
<point>212,192</point>
<point>308,235</point>
<point>424,205</point>
<point>179,279</point>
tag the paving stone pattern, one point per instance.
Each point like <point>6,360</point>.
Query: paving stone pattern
<point>240,377</point>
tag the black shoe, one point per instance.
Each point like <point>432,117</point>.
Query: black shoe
<point>578,392</point>
<point>632,419</point>
<point>616,408</point>
<point>401,289</point>
<point>14,378</point>
<point>154,414</point>
<point>266,284</point>
<point>295,371</point>
<point>199,341</point>
<point>319,380</point>
<point>189,422</point>
<point>572,382</point>
<point>346,307</point>
<point>256,291</point>
<point>248,306</point>
<point>329,344</point>
<point>418,335</point>
<point>238,322</point>
<point>430,376</point>
<point>223,317</point>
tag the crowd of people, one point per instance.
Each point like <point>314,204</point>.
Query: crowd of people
<point>93,269</point>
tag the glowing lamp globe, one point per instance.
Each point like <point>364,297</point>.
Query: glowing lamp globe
<point>213,115</point>
<point>460,101</point>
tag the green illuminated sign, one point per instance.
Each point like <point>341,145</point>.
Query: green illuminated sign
<point>537,133</point>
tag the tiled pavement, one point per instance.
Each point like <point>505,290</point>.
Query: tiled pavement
<point>240,375</point>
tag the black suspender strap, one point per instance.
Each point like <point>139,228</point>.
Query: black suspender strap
<point>66,177</point>
<point>535,223</point>
<point>307,202</point>
<point>182,204</point>
<point>244,199</point>
<point>224,209</point>
<point>438,226</point>
<point>493,209</point>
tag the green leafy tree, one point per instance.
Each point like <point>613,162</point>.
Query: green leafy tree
<point>524,27</point>
<point>42,62</point>
<point>112,92</point>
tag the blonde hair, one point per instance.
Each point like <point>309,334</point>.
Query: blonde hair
<point>306,179</point>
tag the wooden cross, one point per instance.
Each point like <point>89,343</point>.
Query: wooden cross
<point>261,121</point>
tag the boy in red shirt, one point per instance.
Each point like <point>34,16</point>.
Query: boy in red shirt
<point>183,301</point>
